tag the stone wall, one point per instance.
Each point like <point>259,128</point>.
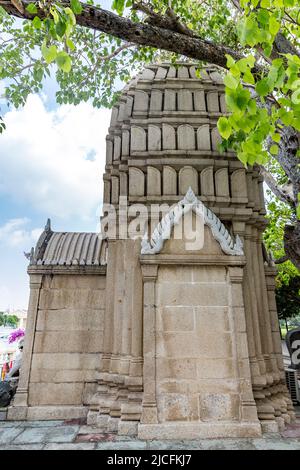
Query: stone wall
<point>195,360</point>
<point>68,339</point>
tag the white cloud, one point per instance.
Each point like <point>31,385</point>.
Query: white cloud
<point>15,234</point>
<point>53,160</point>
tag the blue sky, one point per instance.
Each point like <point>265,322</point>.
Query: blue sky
<point>52,161</point>
<point>51,165</point>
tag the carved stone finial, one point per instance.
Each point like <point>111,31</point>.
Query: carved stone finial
<point>29,255</point>
<point>48,226</point>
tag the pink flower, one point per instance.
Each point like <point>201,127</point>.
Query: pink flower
<point>16,335</point>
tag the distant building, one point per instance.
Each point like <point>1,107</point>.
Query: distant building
<point>22,316</point>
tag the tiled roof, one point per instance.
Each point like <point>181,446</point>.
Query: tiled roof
<point>68,249</point>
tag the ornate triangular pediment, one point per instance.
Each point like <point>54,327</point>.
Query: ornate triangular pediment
<point>162,232</point>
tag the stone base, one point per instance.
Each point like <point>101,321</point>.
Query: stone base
<point>18,413</point>
<point>128,428</point>
<point>3,414</point>
<point>269,426</point>
<point>91,419</point>
<point>181,430</point>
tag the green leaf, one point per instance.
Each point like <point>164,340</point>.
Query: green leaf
<point>230,81</point>
<point>262,87</point>
<point>276,137</point>
<point>118,6</point>
<point>76,6</point>
<point>274,149</point>
<point>31,8</point>
<point>49,53</point>
<point>70,44</point>
<point>230,61</point>
<point>36,22</point>
<point>274,25</point>
<point>64,62</point>
<point>224,127</point>
<point>60,28</point>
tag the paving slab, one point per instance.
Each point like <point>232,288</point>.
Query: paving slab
<point>72,446</point>
<point>45,435</point>
<point>278,444</point>
<point>7,435</point>
<point>22,447</point>
<point>123,445</point>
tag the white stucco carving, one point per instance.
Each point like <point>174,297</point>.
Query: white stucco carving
<point>229,245</point>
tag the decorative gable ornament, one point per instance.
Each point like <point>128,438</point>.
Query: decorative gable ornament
<point>162,232</point>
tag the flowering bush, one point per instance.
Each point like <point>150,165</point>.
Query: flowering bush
<point>16,335</point>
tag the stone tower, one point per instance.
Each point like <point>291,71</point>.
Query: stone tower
<point>161,341</point>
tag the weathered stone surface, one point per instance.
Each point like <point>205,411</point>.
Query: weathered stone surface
<point>170,100</point>
<point>156,100</point>
<point>185,100</point>
<point>154,138</point>
<point>186,137</point>
<point>207,181</point>
<point>136,182</point>
<point>188,177</point>
<point>180,338</point>
<point>138,139</point>
<point>169,181</point>
<point>203,137</point>
<point>168,137</point>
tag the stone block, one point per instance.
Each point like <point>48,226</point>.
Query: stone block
<point>170,100</point>
<point>183,72</point>
<point>186,137</point>
<point>213,319</point>
<point>207,182</point>
<point>56,412</point>
<point>189,345</point>
<point>71,298</point>
<point>138,139</point>
<point>55,394</point>
<point>136,182</point>
<point>66,341</point>
<point>156,100</point>
<point>169,181</point>
<point>141,100</point>
<point>199,100</point>
<point>203,137</point>
<point>193,294</point>
<point>215,139</point>
<point>219,407</point>
<point>72,320</point>
<point>177,319</point>
<point>176,369</point>
<point>188,177</point>
<point>178,407</point>
<point>154,138</point>
<point>153,181</point>
<point>215,368</point>
<point>213,102</point>
<point>222,183</point>
<point>168,137</point>
<point>185,100</point>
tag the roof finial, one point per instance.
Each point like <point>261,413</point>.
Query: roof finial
<point>48,226</point>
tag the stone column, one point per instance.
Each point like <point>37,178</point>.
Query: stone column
<point>282,394</point>
<point>149,407</point>
<point>239,228</point>
<point>252,319</point>
<point>241,353</point>
<point>20,403</point>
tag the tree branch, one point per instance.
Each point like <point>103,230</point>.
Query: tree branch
<point>140,33</point>
<point>279,191</point>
